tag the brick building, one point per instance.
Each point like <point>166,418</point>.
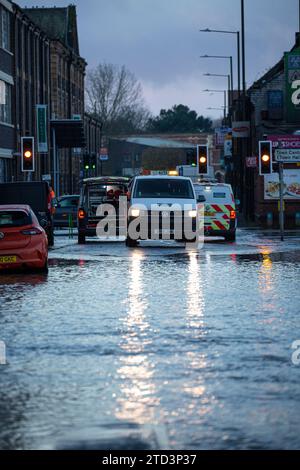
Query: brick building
<point>132,155</point>
<point>270,119</point>
<point>67,72</point>
<point>32,88</point>
<point>7,127</point>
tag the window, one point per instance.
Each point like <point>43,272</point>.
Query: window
<point>163,188</point>
<point>5,102</point>
<point>14,219</point>
<point>4,29</point>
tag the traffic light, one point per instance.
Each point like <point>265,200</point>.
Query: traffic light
<point>93,161</point>
<point>27,153</point>
<point>86,161</point>
<point>265,157</point>
<point>203,160</point>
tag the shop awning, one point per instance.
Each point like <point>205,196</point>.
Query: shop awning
<point>69,133</point>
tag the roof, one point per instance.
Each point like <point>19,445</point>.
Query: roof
<point>58,23</point>
<point>277,69</point>
<point>158,142</point>
<point>15,207</point>
<point>162,177</point>
<point>105,179</point>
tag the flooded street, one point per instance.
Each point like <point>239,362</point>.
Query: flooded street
<point>153,347</point>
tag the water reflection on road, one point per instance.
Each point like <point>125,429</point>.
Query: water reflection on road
<point>199,345</point>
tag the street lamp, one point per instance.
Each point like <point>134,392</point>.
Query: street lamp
<point>221,31</point>
<point>222,57</point>
<point>219,91</point>
<point>219,75</point>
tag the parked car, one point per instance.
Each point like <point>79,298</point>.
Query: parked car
<point>23,242</point>
<point>220,217</point>
<point>66,210</point>
<point>34,194</point>
<point>153,197</point>
<point>94,192</point>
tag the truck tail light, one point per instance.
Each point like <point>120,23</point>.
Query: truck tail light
<point>233,215</point>
<point>81,214</point>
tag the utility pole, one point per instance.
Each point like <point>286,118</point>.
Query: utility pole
<point>243,179</point>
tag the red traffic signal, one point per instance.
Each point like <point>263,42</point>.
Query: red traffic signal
<point>203,159</point>
<point>27,154</point>
<point>265,157</point>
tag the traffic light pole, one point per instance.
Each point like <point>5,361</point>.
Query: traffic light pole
<point>281,202</point>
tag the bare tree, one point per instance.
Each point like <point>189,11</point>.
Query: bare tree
<point>115,96</point>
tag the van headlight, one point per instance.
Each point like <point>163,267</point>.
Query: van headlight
<point>193,214</point>
<point>135,212</point>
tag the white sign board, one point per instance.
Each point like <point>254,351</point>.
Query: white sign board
<point>240,129</point>
<point>287,155</point>
<point>291,185</point>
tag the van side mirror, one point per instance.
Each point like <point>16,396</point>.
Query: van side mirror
<point>201,198</point>
<point>128,194</point>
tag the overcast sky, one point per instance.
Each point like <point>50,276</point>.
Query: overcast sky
<point>159,40</point>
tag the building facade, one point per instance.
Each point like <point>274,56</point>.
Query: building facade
<point>271,120</point>
<point>7,88</point>
<point>32,89</point>
<point>67,73</point>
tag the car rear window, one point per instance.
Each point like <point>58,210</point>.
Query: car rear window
<point>68,202</point>
<point>220,195</point>
<point>14,219</point>
<point>163,188</point>
<point>99,193</point>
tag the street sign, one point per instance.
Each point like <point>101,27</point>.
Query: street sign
<point>287,155</point>
<point>103,158</point>
<point>241,129</point>
<point>42,135</point>
<point>251,162</point>
<point>292,79</point>
<point>46,178</point>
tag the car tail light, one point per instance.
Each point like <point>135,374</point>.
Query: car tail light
<point>32,231</point>
<point>233,214</point>
<point>81,214</point>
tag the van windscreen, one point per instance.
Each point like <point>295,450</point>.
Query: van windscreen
<point>163,188</point>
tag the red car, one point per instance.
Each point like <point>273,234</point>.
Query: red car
<point>23,242</point>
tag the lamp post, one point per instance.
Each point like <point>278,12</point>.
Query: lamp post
<point>231,66</point>
<point>221,31</point>
<point>219,91</point>
<point>219,75</point>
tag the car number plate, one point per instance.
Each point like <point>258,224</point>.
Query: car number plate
<point>8,259</point>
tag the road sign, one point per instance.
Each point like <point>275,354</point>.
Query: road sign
<point>42,136</point>
<point>103,158</point>
<point>251,162</point>
<point>287,155</point>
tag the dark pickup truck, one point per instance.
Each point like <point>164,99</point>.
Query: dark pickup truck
<point>37,196</point>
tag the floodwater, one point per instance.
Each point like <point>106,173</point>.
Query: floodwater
<point>152,349</point>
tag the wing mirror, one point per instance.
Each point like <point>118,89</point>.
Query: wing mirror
<point>201,198</point>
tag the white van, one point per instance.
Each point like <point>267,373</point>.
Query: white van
<point>152,200</point>
<point>220,218</point>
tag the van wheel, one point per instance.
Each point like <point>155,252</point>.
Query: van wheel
<point>131,243</point>
<point>81,239</point>
<point>231,237</point>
